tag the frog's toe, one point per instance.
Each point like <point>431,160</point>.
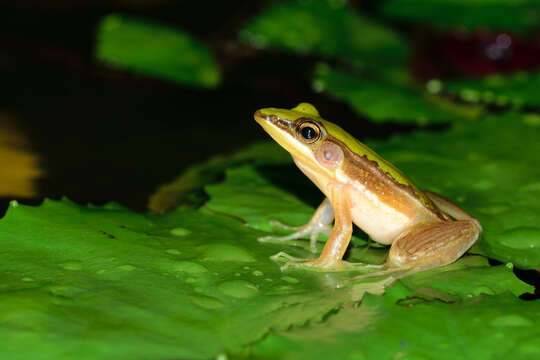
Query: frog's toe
<point>281,225</point>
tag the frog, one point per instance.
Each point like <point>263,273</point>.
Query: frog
<point>424,229</point>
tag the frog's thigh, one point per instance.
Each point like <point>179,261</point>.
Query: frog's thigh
<point>435,244</point>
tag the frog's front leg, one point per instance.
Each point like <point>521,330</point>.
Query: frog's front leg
<point>319,224</point>
<point>340,236</point>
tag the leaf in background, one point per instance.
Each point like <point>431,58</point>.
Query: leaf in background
<point>383,101</point>
<point>484,168</point>
<point>486,327</point>
<point>184,188</point>
<point>519,89</point>
<point>519,16</point>
<point>327,28</point>
<point>155,50</point>
<point>20,166</point>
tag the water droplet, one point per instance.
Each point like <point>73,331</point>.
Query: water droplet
<point>206,302</point>
<point>531,120</point>
<point>318,85</point>
<point>511,320</point>
<point>238,288</point>
<point>180,231</point>
<point>534,186</point>
<point>27,279</point>
<point>62,290</point>
<point>246,267</point>
<point>521,238</point>
<point>190,280</point>
<point>484,184</point>
<point>126,267</point>
<point>257,273</point>
<point>173,251</point>
<point>470,95</point>
<point>189,267</point>
<point>434,86</point>
<point>290,279</point>
<point>225,252</point>
<point>483,290</point>
<point>494,209</point>
<point>72,265</point>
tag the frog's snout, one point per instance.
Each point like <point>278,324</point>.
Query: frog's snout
<point>262,118</point>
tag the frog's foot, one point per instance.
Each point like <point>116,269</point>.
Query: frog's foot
<point>393,274</point>
<point>312,229</point>
<point>318,264</point>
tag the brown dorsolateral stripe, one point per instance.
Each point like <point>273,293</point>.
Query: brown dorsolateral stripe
<point>390,191</point>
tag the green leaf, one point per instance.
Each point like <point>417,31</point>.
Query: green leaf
<point>91,282</point>
<point>103,282</point>
<point>520,16</point>
<point>487,327</point>
<point>519,89</point>
<point>155,50</point>
<point>186,187</point>
<point>382,100</point>
<point>484,167</point>
<point>327,28</point>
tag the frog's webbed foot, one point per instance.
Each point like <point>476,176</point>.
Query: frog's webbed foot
<point>319,264</point>
<point>319,224</point>
<point>313,229</point>
<point>393,274</point>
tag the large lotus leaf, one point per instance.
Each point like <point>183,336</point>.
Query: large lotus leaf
<point>382,100</point>
<point>485,168</point>
<point>481,165</point>
<point>91,282</point>
<point>155,50</point>
<point>521,16</point>
<point>486,327</point>
<point>519,89</point>
<point>328,28</point>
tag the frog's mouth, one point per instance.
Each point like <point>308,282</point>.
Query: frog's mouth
<point>283,131</point>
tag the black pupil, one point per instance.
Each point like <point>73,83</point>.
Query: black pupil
<point>308,133</point>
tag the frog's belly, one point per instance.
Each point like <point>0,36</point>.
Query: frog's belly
<point>380,221</point>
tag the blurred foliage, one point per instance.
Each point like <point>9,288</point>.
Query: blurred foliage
<point>519,16</point>
<point>519,89</point>
<point>155,50</point>
<point>20,166</point>
<point>381,100</point>
<point>325,28</point>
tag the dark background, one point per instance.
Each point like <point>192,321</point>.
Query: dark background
<point>110,135</point>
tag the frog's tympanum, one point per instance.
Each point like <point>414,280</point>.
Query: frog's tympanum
<point>424,229</point>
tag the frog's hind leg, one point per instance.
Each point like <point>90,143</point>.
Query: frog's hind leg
<point>319,224</point>
<point>427,246</point>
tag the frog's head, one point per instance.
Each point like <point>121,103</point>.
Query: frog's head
<point>304,134</point>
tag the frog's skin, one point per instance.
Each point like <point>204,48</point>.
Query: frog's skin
<point>424,229</point>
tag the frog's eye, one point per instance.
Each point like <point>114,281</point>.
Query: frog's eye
<point>309,132</point>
